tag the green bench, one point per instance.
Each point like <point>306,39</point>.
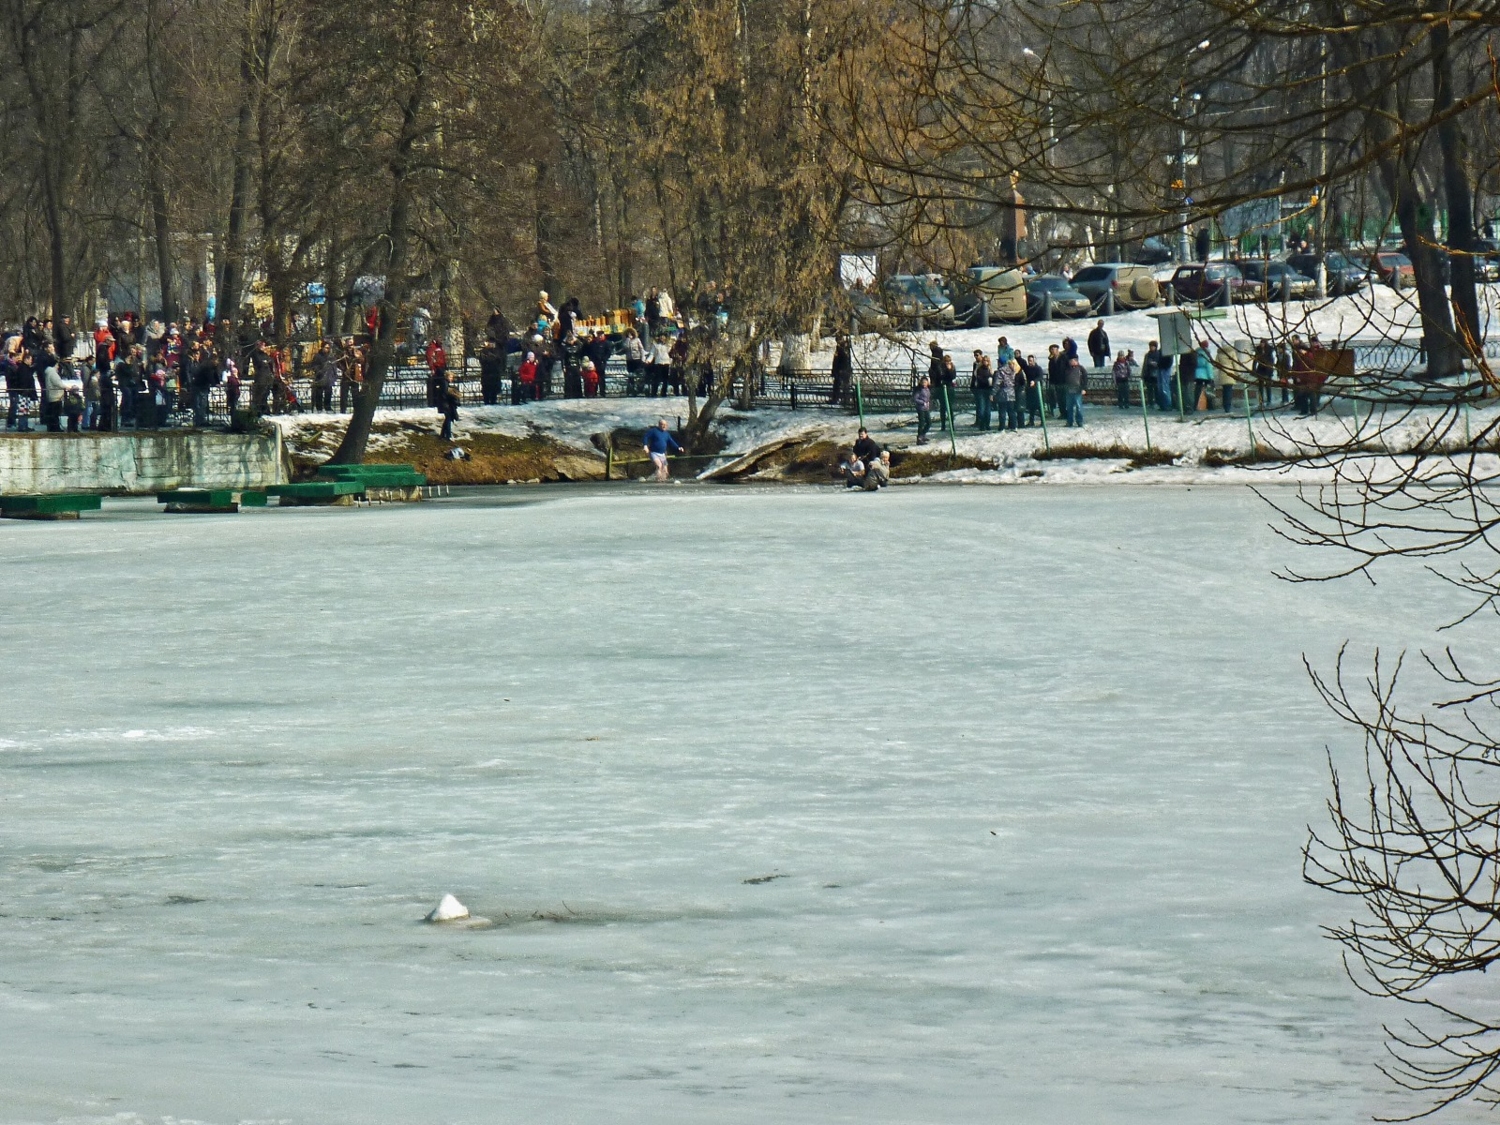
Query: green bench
<point>390,482</point>
<point>318,492</point>
<point>211,499</point>
<point>375,476</point>
<point>55,506</point>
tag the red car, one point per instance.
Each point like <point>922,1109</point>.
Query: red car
<point>1206,281</point>
<point>1393,269</point>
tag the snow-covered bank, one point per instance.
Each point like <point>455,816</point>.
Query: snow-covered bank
<point>1378,312</point>
<point>566,440</point>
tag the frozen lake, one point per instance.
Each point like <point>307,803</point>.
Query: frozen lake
<point>1033,766</point>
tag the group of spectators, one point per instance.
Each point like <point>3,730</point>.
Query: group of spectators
<point>1015,390</point>
<point>132,374</point>
<point>657,347</point>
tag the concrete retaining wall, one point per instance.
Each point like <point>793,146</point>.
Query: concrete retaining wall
<point>139,462</point>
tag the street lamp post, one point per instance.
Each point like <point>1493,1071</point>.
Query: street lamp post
<point>1181,111</point>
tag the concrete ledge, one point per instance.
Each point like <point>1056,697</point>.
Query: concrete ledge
<point>146,462</point>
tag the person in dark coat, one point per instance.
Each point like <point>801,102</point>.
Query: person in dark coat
<point>981,383</point>
<point>491,372</point>
<point>64,337</point>
<point>599,349</point>
<point>1035,379</point>
<point>1099,345</point>
<point>1187,374</point>
<point>261,381</point>
<point>1057,364</point>
<point>20,385</point>
<point>108,418</point>
<point>843,371</point>
<point>447,395</point>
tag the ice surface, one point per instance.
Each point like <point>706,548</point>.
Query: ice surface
<point>1032,767</point>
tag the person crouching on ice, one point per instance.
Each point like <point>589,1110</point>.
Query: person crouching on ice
<point>658,441</point>
<point>853,470</point>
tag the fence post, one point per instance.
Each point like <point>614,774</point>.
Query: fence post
<point>1042,402</point>
<point>1145,414</point>
<point>948,407</point>
<point>859,398</point>
<point>609,455</point>
<point>794,396</point>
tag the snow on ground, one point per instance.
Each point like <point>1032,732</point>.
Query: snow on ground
<point>1097,448</point>
<point>1377,312</point>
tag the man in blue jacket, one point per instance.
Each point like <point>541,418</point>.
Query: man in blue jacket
<point>658,442</point>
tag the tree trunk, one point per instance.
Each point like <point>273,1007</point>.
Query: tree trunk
<point>1398,176</point>
<point>1460,201</point>
<point>233,278</point>
<point>161,225</point>
<point>351,450</point>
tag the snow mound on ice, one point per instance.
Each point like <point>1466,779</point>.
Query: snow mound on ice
<point>449,910</point>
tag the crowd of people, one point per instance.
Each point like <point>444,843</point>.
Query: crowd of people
<point>1017,391</point>
<point>656,346</point>
<point>132,374</point>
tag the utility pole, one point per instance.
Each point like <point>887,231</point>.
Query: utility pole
<point>1182,105</point>
<point>1322,244</point>
<point>1183,251</point>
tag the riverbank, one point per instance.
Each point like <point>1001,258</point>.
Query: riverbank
<point>583,440</point>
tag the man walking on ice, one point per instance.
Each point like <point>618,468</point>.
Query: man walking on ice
<point>658,441</point>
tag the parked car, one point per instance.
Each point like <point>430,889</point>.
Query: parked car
<point>865,311</point>
<point>1066,301</point>
<point>1003,289</point>
<point>1342,274</point>
<point>1393,268</point>
<point>1133,285</point>
<point>1206,281</point>
<point>1154,251</point>
<point>1486,260</point>
<point>1278,278</point>
<point>913,297</point>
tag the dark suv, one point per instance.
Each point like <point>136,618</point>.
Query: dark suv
<point>1206,281</point>
<point>1281,279</point>
<point>1344,275</point>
